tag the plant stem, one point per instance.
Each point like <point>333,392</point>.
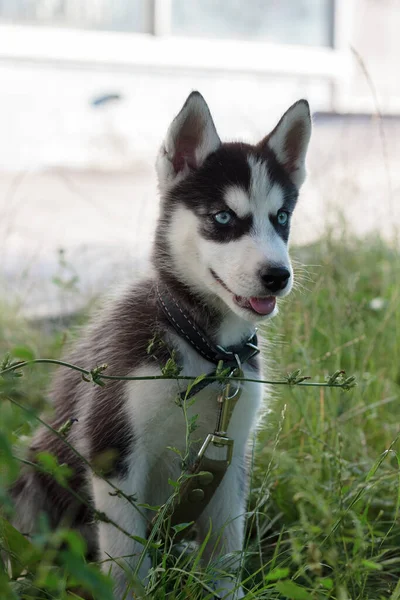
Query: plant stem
<point>21,365</point>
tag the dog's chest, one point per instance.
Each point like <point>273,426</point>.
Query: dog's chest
<point>206,405</point>
<point>161,420</point>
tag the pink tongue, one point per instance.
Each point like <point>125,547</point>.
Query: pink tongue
<point>264,306</point>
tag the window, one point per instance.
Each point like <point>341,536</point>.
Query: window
<point>301,22</point>
<point>112,15</point>
<point>305,22</point>
<point>286,37</point>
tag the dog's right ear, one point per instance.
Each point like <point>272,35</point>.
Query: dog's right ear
<point>191,137</point>
<point>289,141</point>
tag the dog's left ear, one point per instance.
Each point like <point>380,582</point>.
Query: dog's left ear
<point>191,137</point>
<point>289,140</point>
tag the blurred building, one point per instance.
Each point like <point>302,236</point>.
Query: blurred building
<point>60,58</point>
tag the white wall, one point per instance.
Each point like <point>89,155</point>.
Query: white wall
<point>50,77</point>
<point>375,37</point>
<point>46,116</point>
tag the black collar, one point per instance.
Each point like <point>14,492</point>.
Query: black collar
<point>232,357</point>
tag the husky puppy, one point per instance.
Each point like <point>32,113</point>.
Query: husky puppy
<point>220,254</point>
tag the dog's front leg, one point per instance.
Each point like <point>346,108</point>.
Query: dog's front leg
<point>226,514</point>
<point>119,552</point>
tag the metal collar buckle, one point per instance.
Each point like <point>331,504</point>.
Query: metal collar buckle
<point>248,343</point>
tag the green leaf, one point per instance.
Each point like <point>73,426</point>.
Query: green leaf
<point>48,577</point>
<point>7,363</point>
<point>149,507</point>
<point>175,450</point>
<point>171,368</point>
<point>61,473</point>
<point>192,423</point>
<point>139,539</point>
<point>75,541</point>
<point>277,574</point>
<point>88,576</point>
<point>144,542</point>
<point>47,460</point>
<point>21,551</point>
<point>193,384</point>
<point>291,590</point>
<point>327,583</point>
<point>372,566</point>
<point>66,427</point>
<point>23,353</point>
<point>8,591</point>
<point>8,465</point>
<point>182,526</point>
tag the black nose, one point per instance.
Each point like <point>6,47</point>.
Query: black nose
<point>275,278</point>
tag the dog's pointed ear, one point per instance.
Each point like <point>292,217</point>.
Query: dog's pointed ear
<point>289,140</point>
<point>191,137</point>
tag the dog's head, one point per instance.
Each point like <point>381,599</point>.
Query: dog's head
<point>226,208</point>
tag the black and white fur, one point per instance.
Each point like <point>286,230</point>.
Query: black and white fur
<point>212,270</point>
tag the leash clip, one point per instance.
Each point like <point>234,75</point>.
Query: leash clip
<point>219,441</point>
<point>227,402</point>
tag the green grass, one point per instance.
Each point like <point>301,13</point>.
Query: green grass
<point>326,476</point>
<point>333,493</point>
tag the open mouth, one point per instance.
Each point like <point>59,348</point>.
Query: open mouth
<point>258,305</point>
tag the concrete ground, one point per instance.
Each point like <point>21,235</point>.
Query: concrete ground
<point>104,221</point>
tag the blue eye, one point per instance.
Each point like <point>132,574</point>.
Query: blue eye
<point>282,217</point>
<point>223,218</point>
